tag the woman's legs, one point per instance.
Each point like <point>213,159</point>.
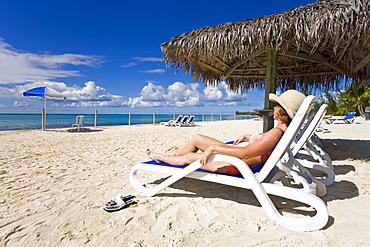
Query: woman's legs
<point>188,154</point>
<point>178,160</point>
<point>198,142</point>
<point>181,160</point>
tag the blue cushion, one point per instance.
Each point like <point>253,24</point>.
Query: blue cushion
<point>152,162</point>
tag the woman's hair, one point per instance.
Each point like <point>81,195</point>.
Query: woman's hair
<point>283,115</point>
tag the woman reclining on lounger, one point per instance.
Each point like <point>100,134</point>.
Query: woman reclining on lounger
<point>254,154</point>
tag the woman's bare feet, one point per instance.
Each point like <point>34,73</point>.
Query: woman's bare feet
<point>153,156</point>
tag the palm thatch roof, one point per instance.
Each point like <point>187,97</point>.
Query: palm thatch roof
<point>318,45</point>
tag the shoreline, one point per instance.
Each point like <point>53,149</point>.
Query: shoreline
<point>55,185</point>
<point>60,121</point>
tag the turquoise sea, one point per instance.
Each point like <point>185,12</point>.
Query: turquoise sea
<point>54,121</point>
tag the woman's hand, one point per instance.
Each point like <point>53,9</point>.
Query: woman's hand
<point>241,139</point>
<point>204,159</point>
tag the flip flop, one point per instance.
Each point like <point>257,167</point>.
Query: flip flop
<point>124,198</point>
<point>119,204</point>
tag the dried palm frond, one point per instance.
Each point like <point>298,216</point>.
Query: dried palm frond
<point>318,46</point>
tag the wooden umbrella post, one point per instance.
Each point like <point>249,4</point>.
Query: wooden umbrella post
<point>271,82</point>
<point>43,120</point>
<point>96,119</point>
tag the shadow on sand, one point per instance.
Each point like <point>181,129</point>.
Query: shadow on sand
<point>338,149</point>
<point>83,130</point>
<point>342,149</point>
<point>194,188</point>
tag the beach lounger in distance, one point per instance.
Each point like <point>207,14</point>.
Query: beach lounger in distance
<point>262,184</point>
<point>182,122</point>
<point>187,121</point>
<point>190,121</point>
<point>172,122</point>
<point>349,119</point>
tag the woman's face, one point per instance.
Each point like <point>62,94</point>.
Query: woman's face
<point>280,114</point>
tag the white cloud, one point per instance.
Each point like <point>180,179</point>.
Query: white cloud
<point>21,67</point>
<point>222,92</point>
<point>148,59</point>
<point>152,92</point>
<point>139,102</point>
<point>177,94</point>
<point>180,94</point>
<point>21,104</point>
<point>237,103</point>
<point>131,64</point>
<point>154,71</point>
<point>212,93</point>
<point>145,59</point>
<point>89,95</point>
<point>89,92</point>
<point>230,95</point>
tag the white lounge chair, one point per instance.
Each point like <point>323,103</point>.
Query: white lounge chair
<point>190,121</point>
<point>172,122</point>
<point>183,121</point>
<point>78,123</point>
<point>187,121</point>
<point>310,155</point>
<point>281,161</point>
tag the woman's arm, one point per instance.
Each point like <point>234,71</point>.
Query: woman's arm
<point>242,138</point>
<point>264,145</point>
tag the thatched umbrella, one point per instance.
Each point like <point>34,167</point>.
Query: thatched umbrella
<point>313,46</point>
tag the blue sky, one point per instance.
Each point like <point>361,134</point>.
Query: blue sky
<point>106,55</point>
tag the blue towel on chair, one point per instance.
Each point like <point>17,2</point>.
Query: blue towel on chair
<point>152,162</point>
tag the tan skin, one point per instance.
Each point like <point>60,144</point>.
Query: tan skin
<point>250,154</point>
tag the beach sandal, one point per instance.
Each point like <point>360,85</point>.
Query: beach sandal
<point>124,198</point>
<point>118,204</point>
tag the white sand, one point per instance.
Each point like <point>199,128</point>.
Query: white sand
<point>54,184</point>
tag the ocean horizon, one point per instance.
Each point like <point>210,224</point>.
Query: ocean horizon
<point>29,121</point>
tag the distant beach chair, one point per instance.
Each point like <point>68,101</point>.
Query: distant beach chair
<point>349,119</point>
<point>183,121</point>
<point>78,123</point>
<point>172,122</point>
<point>257,119</point>
<point>190,121</point>
<point>279,166</point>
<point>186,121</point>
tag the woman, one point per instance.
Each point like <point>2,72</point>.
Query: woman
<point>254,154</point>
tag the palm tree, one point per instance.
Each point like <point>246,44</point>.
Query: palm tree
<point>330,99</point>
<point>347,102</point>
<point>354,97</point>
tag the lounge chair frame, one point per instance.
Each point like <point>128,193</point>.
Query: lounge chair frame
<point>310,155</point>
<point>172,122</point>
<point>187,121</point>
<point>278,166</point>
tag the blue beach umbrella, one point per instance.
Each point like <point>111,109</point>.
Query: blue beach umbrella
<point>44,92</point>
